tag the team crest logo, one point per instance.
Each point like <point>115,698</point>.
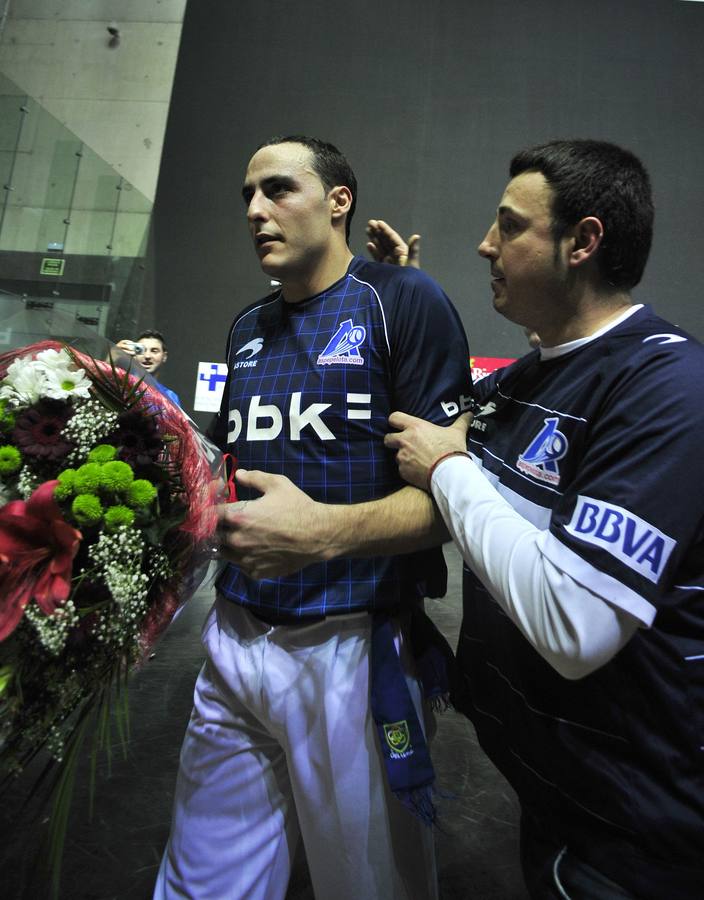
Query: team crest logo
<point>541,456</point>
<point>343,346</point>
<point>397,737</point>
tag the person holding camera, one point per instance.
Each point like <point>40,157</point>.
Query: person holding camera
<point>150,352</point>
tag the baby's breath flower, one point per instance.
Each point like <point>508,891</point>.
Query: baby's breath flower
<point>118,555</point>
<point>28,482</point>
<point>158,564</point>
<point>53,630</point>
<point>56,743</point>
<point>90,425</point>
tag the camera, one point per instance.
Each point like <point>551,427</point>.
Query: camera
<point>136,348</point>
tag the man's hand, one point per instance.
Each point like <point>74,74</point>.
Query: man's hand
<point>387,245</point>
<point>419,444</point>
<point>280,532</point>
<point>127,347</point>
<point>125,355</point>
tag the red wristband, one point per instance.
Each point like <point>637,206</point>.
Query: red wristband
<point>441,459</point>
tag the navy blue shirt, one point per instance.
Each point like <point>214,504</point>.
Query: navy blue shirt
<point>309,392</point>
<point>602,449</point>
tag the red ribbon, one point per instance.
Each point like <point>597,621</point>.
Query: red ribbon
<point>230,463</point>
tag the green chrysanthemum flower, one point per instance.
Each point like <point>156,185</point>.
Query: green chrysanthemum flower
<point>67,484</point>
<point>87,509</point>
<point>116,516</point>
<point>141,493</point>
<point>10,460</point>
<point>116,476</point>
<point>103,453</point>
<point>7,416</point>
<point>87,479</point>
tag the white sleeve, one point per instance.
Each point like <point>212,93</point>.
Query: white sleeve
<point>572,628</point>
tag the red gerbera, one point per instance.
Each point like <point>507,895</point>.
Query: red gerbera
<point>37,430</point>
<point>137,438</point>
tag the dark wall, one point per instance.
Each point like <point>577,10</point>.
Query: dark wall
<point>428,100</point>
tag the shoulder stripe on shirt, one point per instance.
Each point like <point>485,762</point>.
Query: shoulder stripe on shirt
<point>546,409</point>
<point>243,315</point>
<point>381,307</point>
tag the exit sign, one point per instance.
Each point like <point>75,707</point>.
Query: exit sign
<point>51,266</point>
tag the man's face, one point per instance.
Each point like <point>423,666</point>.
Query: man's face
<point>529,270</point>
<point>288,211</point>
<point>154,355</point>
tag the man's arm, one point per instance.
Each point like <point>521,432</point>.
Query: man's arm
<point>572,628</point>
<point>284,529</point>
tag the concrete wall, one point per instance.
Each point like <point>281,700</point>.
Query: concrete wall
<point>115,99</point>
<point>429,101</point>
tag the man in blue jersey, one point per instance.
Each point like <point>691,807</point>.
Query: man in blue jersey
<point>308,714</point>
<point>579,510</point>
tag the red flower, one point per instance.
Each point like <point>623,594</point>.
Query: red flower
<point>37,548</point>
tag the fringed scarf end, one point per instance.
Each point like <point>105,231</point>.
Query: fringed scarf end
<point>419,801</point>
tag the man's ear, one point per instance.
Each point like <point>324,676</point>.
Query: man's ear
<point>587,236</point>
<point>340,201</point>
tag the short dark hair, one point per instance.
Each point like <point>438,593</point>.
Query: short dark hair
<point>156,335</point>
<point>595,178</point>
<point>329,164</point>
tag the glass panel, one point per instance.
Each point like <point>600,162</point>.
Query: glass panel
<point>68,204</point>
<point>130,233</point>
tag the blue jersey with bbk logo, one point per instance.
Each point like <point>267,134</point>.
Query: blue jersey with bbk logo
<point>309,391</point>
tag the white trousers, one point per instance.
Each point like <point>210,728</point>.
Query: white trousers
<point>281,743</point>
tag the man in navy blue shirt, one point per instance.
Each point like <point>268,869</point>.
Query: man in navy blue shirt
<point>308,714</point>
<point>579,511</point>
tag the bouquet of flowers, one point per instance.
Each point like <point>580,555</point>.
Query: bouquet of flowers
<point>106,518</point>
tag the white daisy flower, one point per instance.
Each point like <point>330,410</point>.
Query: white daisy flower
<point>63,383</point>
<point>24,382</point>
<point>53,359</point>
<point>63,379</point>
